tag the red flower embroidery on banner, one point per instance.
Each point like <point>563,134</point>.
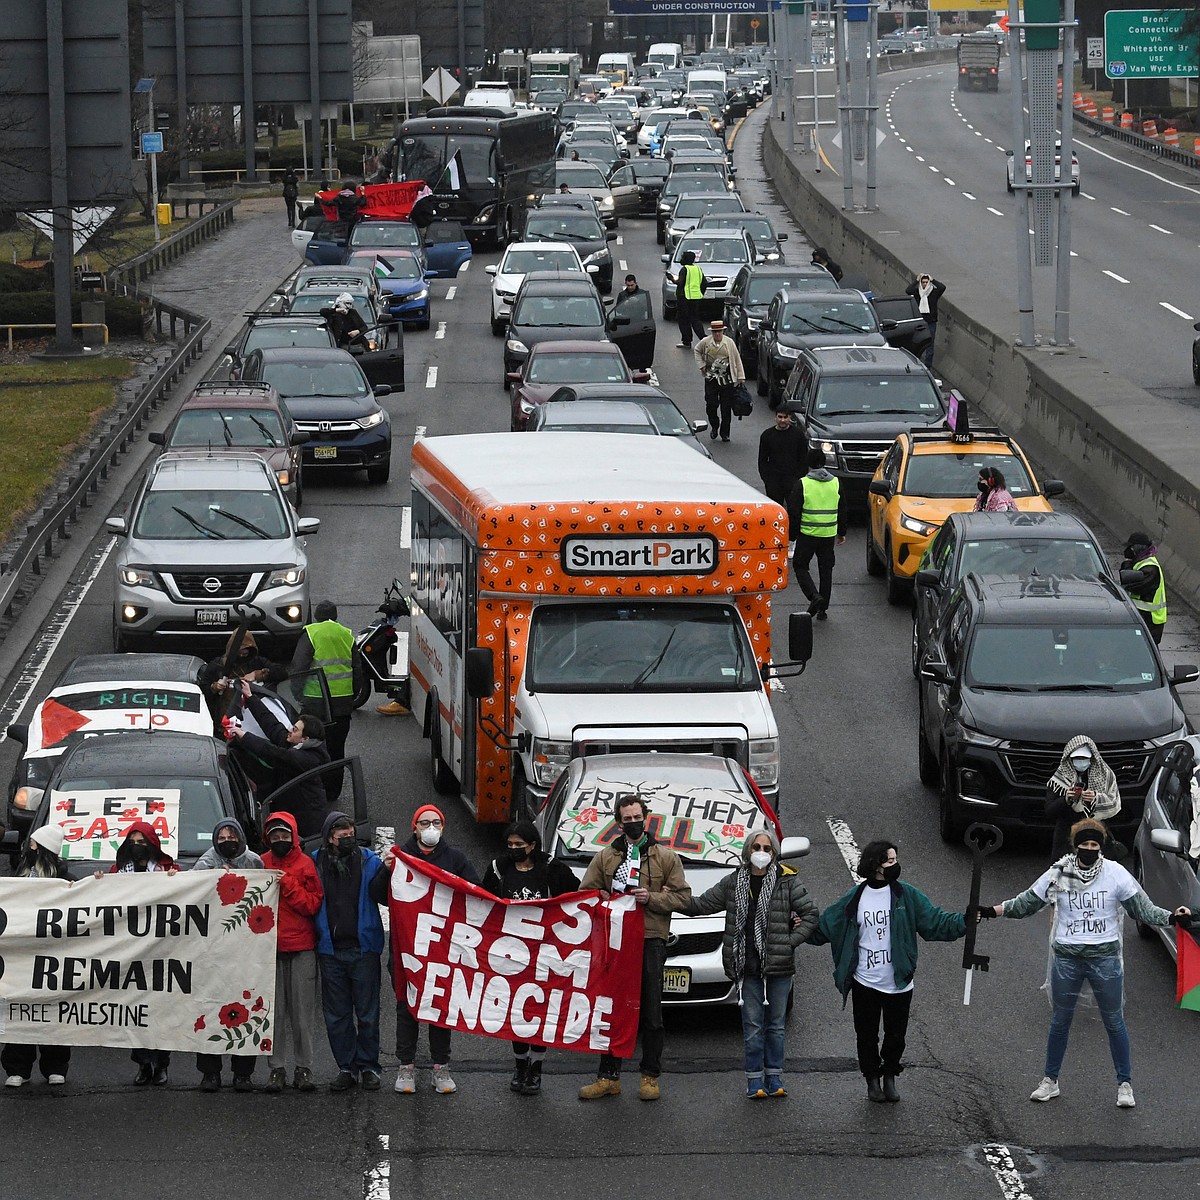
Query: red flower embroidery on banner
<point>199,1025</point>
<point>231,888</point>
<point>247,995</point>
<point>155,806</point>
<point>259,1004</point>
<point>265,1045</point>
<point>232,1015</point>
<point>261,919</point>
<point>63,806</point>
<point>132,813</point>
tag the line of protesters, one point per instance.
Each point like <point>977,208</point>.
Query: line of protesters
<point>329,925</point>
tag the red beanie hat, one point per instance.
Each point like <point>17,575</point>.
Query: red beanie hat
<point>431,809</point>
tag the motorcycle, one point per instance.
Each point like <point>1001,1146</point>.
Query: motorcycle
<point>383,650</point>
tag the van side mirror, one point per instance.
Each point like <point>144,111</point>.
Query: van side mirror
<point>800,637</point>
<point>479,672</point>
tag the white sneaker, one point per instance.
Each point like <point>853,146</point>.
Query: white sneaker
<point>1046,1090</point>
<point>56,1080</point>
<point>15,1081</point>
<point>406,1081</point>
<point>441,1080</point>
<point>1125,1096</point>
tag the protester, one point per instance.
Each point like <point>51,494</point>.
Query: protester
<point>720,365</point>
<point>635,864</point>
<point>994,495</point>
<point>41,860</point>
<point>767,915</point>
<point>820,257</point>
<point>1142,577</point>
<point>782,455</point>
<point>526,872</point>
<point>817,523</point>
<point>428,844</point>
<point>349,945</point>
<point>291,189</point>
<point>219,673</point>
<point>1086,890</point>
<point>1083,785</point>
<point>346,323</point>
<point>228,852</point>
<point>927,291</point>
<point>872,931</point>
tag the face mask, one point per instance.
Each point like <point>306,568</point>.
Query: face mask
<point>1086,858</point>
<point>760,859</point>
<point>282,847</point>
<point>518,853</point>
<point>1081,764</point>
<point>892,873</point>
<point>228,849</point>
<point>430,837</point>
<point>345,847</point>
<point>633,830</point>
<point>139,853</point>
<point>983,487</point>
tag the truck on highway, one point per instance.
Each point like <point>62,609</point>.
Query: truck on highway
<point>617,68</point>
<point>557,71</point>
<point>979,63</point>
<point>573,598</point>
<point>668,55</point>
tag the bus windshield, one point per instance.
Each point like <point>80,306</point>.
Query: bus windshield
<point>426,156</point>
<point>646,646</point>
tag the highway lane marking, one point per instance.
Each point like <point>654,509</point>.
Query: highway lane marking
<point>1160,229</point>
<point>950,181</point>
<point>441,331</point>
<point>996,211</point>
<point>377,1180</point>
<point>620,239</point>
<point>1141,170</point>
<point>431,377</point>
<point>919,158</point>
<point>43,649</point>
<point>1111,274</point>
<point>844,839</point>
<point>1000,1159</point>
<point>1177,311</point>
<point>968,195</point>
<point>622,265</point>
<point>935,170</point>
<point>1119,211</point>
<point>406,528</point>
<point>450,292</point>
<point>1086,196</point>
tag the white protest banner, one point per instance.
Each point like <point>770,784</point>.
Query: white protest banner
<point>564,972</point>
<point>140,959</point>
<point>95,821</point>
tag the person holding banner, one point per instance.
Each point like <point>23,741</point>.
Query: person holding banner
<point>636,865</point>
<point>526,872</point>
<point>40,861</point>
<point>768,914</point>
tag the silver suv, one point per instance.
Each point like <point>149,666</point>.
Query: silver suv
<point>205,533</point>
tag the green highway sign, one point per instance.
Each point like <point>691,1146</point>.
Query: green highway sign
<point>1147,43</point>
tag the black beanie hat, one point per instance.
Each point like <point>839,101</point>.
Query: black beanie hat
<point>1087,831</point>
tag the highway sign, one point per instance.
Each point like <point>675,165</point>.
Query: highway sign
<point>1095,53</point>
<point>152,143</point>
<point>441,85</point>
<point>1142,43</point>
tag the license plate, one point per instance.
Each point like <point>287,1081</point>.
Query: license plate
<point>677,981</point>
<point>212,617</point>
<point>325,452</point>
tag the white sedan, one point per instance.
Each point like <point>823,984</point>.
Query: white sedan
<point>519,259</point>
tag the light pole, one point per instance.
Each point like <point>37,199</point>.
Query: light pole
<point>146,86</point>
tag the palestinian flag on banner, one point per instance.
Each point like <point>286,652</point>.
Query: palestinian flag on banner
<point>453,177</point>
<point>1187,968</point>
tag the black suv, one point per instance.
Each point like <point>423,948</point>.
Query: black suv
<point>552,308</point>
<point>579,229</point>
<point>753,289</point>
<point>854,401</point>
<point>1014,669</point>
<point>1012,544</point>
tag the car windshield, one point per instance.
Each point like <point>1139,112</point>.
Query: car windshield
<point>700,206</point>
<point>313,302</point>
<point>879,395</point>
<point>561,422</point>
<point>521,262</point>
<point>262,337</point>
<point>820,316</point>
<point>667,418</point>
<point>763,287</point>
<point>721,250</point>
<point>956,476</point>
<point>301,379</point>
<point>582,177</point>
<point>639,647</point>
<point>400,266</point>
<point>698,168</point>
<point>558,312</point>
<point>650,168</point>
<point>1018,557</point>
<point>564,226</point>
<point>426,156</point>
<point>385,233</point>
<point>677,185</point>
<point>227,427</point>
<point>572,367</point>
<point>220,515</point>
<point>759,228</point>
<point>1044,657</point>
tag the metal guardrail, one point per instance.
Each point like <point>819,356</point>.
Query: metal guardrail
<point>1131,137</point>
<point>143,265</point>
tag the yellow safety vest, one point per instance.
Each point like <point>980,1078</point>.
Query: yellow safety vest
<point>820,515</point>
<point>692,277</point>
<point>1157,605</point>
<point>333,649</point>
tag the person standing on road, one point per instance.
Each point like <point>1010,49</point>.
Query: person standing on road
<point>1086,890</point>
<point>1082,786</point>
<point>768,914</point>
<point>40,861</point>
<point>782,456</point>
<point>720,364</point>
<point>300,897</point>
<point>349,945</point>
<point>872,931</point>
<point>927,291</point>
<point>818,523</point>
<point>526,872</point>
<point>820,258</point>
<point>690,286</point>
<point>1142,577</point>
<point>428,844</point>
<point>291,190</point>
<point>636,865</point>
<point>328,646</point>
<point>994,495</point>
<point>228,852</point>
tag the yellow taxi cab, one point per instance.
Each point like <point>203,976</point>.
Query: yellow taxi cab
<point>929,474</point>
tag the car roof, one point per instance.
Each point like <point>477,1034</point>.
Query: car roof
<point>141,753</point>
<point>832,295</point>
<point>229,469</point>
<point>986,526</point>
<point>607,393</point>
<point>595,412</point>
<point>285,319</point>
<point>116,668</point>
<point>555,283</point>
<point>1040,599</point>
<point>304,354</point>
<point>269,402</point>
<point>576,346</point>
<point>860,360</point>
<point>785,270</point>
<point>947,445</point>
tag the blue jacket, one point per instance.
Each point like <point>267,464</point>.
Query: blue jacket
<point>370,924</point>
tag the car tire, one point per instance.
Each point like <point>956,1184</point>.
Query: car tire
<point>950,826</point>
<point>760,384</point>
<point>1195,370</point>
<point>899,591</point>
<point>915,648</point>
<point>380,473</point>
<point>874,562</point>
<point>442,777</point>
<point>927,763</point>
<point>498,327</point>
<point>120,643</point>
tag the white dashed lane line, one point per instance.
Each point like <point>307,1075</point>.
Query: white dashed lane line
<point>1119,211</point>
<point>995,211</point>
<point>431,377</point>
<point>968,195</point>
<point>1160,229</point>
<point>450,292</point>
<point>441,331</point>
<point>1114,275</point>
<point>1177,311</point>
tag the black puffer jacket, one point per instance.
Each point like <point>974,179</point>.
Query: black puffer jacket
<point>789,897</point>
<point>307,803</point>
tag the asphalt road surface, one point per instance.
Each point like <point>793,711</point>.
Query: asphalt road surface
<point>965,1127</point>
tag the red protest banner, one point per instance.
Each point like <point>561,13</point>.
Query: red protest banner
<point>564,972</point>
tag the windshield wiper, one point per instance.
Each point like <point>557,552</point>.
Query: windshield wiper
<point>265,431</point>
<point>225,429</point>
<point>204,529</point>
<point>255,529</point>
<point>1078,687</point>
<point>644,675</point>
<point>1003,687</point>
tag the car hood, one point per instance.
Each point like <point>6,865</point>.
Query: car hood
<point>870,427</point>
<point>938,510</point>
<point>201,555</point>
<point>1058,716</point>
<point>330,408</point>
<point>532,335</point>
<point>801,341</point>
<point>400,288</point>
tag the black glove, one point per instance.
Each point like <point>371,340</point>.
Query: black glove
<point>1184,922</point>
<point>986,911</point>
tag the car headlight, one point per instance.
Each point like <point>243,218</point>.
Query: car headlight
<point>753,322</point>
<point>764,762</point>
<point>421,295</point>
<point>664,208</point>
<point>506,297</point>
<point>786,351</point>
<point>922,528</point>
<point>1177,736</point>
<point>606,202</point>
<point>550,759</point>
<point>772,256</point>
<point>596,257</point>
<point>526,407</point>
<point>516,346</point>
<point>372,419</point>
<point>138,577</point>
<point>975,738</point>
<point>831,447</point>
<point>286,577</point>
<point>284,477</point>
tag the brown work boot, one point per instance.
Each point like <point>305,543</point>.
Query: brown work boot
<point>392,709</point>
<point>649,1089</point>
<point>601,1088</point>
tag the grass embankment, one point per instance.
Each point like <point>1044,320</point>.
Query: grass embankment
<point>121,239</point>
<point>46,411</point>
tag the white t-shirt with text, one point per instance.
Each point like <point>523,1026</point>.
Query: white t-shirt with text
<point>1089,916</point>
<point>874,968</point>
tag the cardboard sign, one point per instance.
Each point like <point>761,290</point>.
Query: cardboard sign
<point>95,822</point>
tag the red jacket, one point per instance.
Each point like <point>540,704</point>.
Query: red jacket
<point>300,893</point>
<point>158,860</point>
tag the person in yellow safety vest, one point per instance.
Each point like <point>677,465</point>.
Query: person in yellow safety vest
<point>329,646</point>
<point>817,523</point>
<point>690,286</point>
<point>1142,578</point>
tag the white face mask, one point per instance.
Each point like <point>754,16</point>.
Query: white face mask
<point>430,836</point>
<point>1081,764</point>
<point>760,859</point>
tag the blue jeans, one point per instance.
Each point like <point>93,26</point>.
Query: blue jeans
<point>350,995</point>
<point>1066,982</point>
<point>762,1024</point>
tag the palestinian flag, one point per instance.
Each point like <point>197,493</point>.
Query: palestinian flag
<point>383,268</point>
<point>1187,967</point>
<point>453,178</point>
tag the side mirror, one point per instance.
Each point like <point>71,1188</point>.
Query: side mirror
<point>1053,487</point>
<point>592,268</point>
<point>298,438</point>
<point>382,389</point>
<point>927,579</point>
<point>231,349</point>
<point>620,321</point>
<point>936,671</point>
<point>781,237</point>
<point>431,274</point>
<point>386,318</point>
<point>800,637</point>
<point>641,376</point>
<point>699,426</point>
<point>10,843</point>
<point>610,235</point>
<point>491,269</point>
<point>512,376</point>
<point>665,258</point>
<point>19,733</point>
<point>880,487</point>
<point>157,439</point>
<point>794,847</point>
<point>479,672</point>
<point>1169,841</point>
<point>116,525</point>
<point>307,525</point>
<point>1184,673</point>
<point>887,326</point>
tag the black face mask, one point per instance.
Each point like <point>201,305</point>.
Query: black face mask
<point>983,485</point>
<point>229,849</point>
<point>633,830</point>
<point>282,848</point>
<point>892,873</point>
<point>1086,858</point>
<point>518,853</point>
<point>345,847</point>
<point>140,854</point>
